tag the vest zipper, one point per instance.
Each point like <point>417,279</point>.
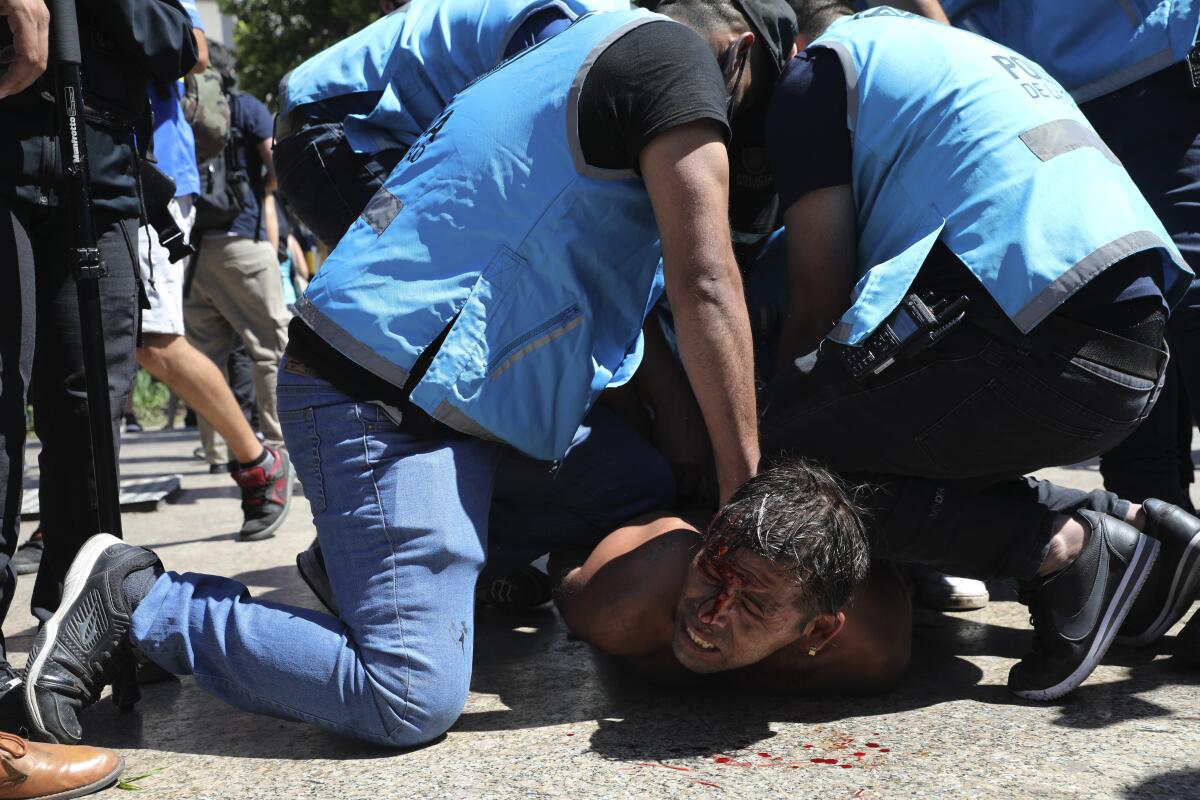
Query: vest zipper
<point>557,321</point>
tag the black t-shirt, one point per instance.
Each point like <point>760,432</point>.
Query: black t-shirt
<point>656,77</point>
<point>254,124</point>
<point>809,148</point>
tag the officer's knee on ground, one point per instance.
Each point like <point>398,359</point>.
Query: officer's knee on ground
<point>426,718</point>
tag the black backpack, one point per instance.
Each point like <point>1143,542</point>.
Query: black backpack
<point>224,182</point>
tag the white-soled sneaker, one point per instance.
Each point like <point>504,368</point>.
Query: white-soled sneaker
<point>948,592</point>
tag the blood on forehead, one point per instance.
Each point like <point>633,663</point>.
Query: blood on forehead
<point>719,560</point>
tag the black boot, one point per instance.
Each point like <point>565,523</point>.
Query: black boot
<point>1172,584</point>
<point>1077,611</point>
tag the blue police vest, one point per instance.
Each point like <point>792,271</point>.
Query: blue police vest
<point>542,266</point>
<point>959,139</point>
<point>413,61</point>
<point>1090,48</point>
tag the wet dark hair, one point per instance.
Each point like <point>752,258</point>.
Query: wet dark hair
<point>814,16</point>
<point>801,517</point>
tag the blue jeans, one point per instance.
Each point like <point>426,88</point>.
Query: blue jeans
<point>404,521</point>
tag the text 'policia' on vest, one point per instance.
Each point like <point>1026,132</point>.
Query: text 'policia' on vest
<point>1014,182</point>
<point>398,73</point>
<point>493,225</point>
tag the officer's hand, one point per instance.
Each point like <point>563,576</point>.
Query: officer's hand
<point>29,21</point>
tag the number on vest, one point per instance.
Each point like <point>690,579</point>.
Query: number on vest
<point>429,136</point>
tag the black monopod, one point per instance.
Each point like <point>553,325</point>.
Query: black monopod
<point>64,43</point>
<point>89,269</point>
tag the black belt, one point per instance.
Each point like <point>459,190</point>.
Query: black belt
<point>1105,348</point>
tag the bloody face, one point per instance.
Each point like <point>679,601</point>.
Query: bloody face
<point>736,609</point>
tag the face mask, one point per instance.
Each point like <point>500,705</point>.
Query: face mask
<point>730,55</point>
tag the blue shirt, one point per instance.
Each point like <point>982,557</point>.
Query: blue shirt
<point>174,142</point>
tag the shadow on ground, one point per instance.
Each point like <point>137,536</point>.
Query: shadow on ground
<point>542,678</point>
<point>1169,785</point>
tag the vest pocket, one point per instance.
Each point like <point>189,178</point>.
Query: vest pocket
<point>565,321</point>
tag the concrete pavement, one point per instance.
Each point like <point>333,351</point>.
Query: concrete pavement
<point>547,717</point>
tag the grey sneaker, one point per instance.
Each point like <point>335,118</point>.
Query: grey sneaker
<point>28,557</point>
<point>85,645</point>
<point>1172,584</point>
<point>1077,611</point>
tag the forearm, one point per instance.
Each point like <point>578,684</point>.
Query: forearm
<point>271,221</point>
<point>714,342</point>
<point>201,51</point>
<point>299,264</point>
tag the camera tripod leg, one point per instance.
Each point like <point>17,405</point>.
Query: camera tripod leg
<point>125,690</point>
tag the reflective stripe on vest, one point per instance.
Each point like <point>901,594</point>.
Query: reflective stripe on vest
<point>959,139</point>
<point>542,267</point>
<point>413,61</point>
<point>1092,47</point>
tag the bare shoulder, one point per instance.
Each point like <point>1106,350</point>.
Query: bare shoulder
<point>869,656</point>
<point>622,599</point>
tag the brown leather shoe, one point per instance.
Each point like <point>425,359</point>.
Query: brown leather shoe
<point>29,770</point>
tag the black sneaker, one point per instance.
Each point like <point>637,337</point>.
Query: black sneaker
<point>28,557</point>
<point>83,646</point>
<point>132,425</point>
<point>1077,611</point>
<point>266,494</point>
<point>311,563</point>
<point>1172,584</point>
<point>520,590</point>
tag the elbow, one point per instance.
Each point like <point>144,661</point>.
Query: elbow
<point>711,284</point>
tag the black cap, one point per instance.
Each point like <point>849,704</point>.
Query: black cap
<point>774,23</point>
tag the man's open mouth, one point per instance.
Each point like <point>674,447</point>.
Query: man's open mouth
<point>698,640</point>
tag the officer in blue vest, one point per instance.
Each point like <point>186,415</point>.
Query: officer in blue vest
<point>347,116</point>
<point>977,290</point>
<point>489,292</point>
<point>349,113</point>
<point>1135,71</point>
